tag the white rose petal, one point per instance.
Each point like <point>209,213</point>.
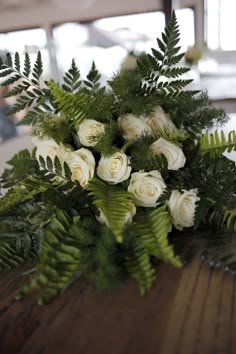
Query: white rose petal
<point>133,127</point>
<point>49,147</point>
<point>129,63</point>
<point>90,132</point>
<point>146,188</point>
<point>173,153</point>
<point>182,208</point>
<point>127,220</point>
<point>115,168</point>
<point>82,164</point>
<point>161,123</point>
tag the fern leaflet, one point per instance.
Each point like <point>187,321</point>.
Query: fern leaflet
<point>114,203</point>
<point>216,143</point>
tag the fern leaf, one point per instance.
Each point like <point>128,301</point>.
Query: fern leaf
<point>21,165</point>
<point>217,143</point>
<point>58,262</point>
<point>114,202</point>
<point>230,219</point>
<point>27,66</point>
<point>37,69</point>
<point>17,61</point>
<point>71,105</point>
<point>24,190</point>
<point>93,77</point>
<point>9,61</point>
<point>139,267</point>
<point>153,227</point>
<point>71,79</point>
<point>9,259</point>
<point>154,68</point>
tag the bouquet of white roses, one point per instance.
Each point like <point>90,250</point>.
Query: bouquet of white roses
<point>117,172</point>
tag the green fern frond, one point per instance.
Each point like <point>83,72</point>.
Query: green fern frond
<point>51,125</point>
<point>37,70</point>
<point>28,88</point>
<point>43,108</point>
<point>230,219</point>
<point>71,79</point>
<point>58,262</point>
<point>153,68</point>
<point>202,211</point>
<point>153,227</point>
<point>216,143</point>
<point>21,165</point>
<point>114,202</point>
<point>9,259</point>
<point>139,266</point>
<point>92,83</point>
<point>27,65</point>
<point>55,168</point>
<point>69,104</point>
<point>22,191</point>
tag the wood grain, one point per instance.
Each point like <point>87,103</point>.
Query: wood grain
<point>189,311</point>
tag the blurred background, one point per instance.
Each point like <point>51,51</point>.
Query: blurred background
<point>110,32</point>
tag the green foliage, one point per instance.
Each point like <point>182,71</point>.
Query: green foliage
<point>37,69</point>
<point>230,219</point>
<point>22,191</point>
<point>149,238</point>
<point>72,106</point>
<point>153,227</point>
<point>216,143</point>
<point>22,164</point>
<point>158,67</point>
<point>52,126</point>
<point>71,78</point>
<point>27,87</point>
<point>9,259</point>
<point>195,114</point>
<point>128,94</point>
<point>54,168</point>
<point>101,259</point>
<point>109,142</point>
<point>114,202</point>
<point>143,159</point>
<point>92,83</point>
<point>139,266</point>
<point>58,262</point>
<point>21,233</point>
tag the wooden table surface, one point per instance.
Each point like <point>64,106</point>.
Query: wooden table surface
<point>188,311</point>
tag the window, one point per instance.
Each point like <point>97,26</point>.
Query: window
<point>30,41</point>
<point>186,25</point>
<point>106,41</point>
<point>220,24</point>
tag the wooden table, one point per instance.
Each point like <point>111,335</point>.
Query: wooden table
<point>190,311</point>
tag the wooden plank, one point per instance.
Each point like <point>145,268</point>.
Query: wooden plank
<point>187,311</point>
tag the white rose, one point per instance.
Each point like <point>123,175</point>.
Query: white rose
<point>115,168</point>
<point>49,147</point>
<point>161,123</point>
<point>90,132</point>
<point>82,164</point>
<point>133,127</point>
<point>173,153</point>
<point>182,208</point>
<point>128,217</point>
<point>146,188</point>
<point>129,63</point>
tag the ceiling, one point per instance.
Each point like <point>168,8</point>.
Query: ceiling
<point>20,14</point>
